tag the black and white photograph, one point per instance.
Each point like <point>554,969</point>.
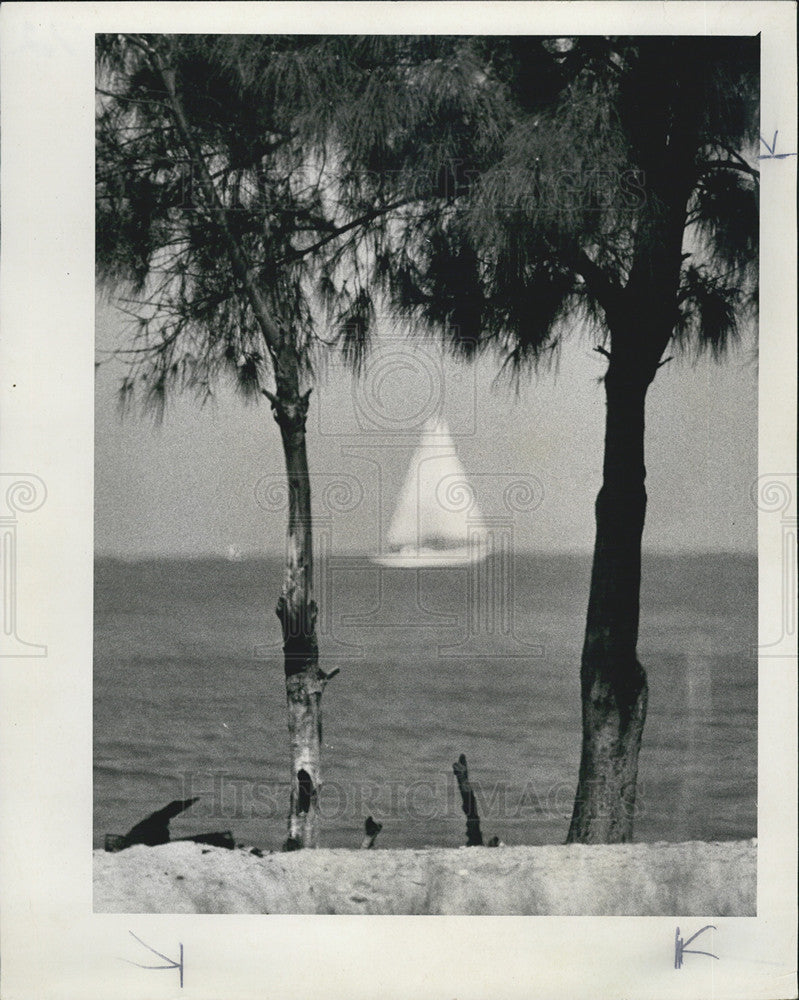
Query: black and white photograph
<point>436,556</point>
<point>387,245</point>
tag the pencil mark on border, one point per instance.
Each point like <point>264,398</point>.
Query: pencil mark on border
<point>680,946</point>
<point>171,963</point>
<point>772,153</point>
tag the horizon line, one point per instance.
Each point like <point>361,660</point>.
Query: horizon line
<point>252,556</point>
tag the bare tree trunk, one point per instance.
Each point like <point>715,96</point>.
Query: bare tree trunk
<point>296,610</point>
<point>614,685</point>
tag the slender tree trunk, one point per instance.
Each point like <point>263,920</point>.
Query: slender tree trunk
<point>614,686</point>
<point>641,319</point>
<point>296,610</point>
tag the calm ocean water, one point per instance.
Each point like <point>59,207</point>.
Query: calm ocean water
<point>189,699</point>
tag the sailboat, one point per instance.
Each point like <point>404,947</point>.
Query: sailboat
<point>437,521</point>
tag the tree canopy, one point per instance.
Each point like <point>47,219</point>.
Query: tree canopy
<point>216,210</point>
<point>543,175</point>
<point>526,178</point>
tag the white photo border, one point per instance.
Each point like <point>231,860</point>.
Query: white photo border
<point>53,944</point>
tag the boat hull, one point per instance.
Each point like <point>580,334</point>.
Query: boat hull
<point>430,558</point>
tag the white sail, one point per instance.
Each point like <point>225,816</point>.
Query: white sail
<point>437,520</point>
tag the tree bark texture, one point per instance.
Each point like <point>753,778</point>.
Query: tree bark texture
<point>641,319</point>
<point>297,612</point>
<point>613,682</point>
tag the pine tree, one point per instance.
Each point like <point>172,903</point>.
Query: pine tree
<point>554,182</point>
<point>219,232</point>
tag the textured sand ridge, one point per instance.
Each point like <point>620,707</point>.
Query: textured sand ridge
<point>690,879</point>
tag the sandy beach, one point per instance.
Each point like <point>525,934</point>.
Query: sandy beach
<point>688,879</point>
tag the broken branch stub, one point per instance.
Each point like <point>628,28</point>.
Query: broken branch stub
<point>474,836</point>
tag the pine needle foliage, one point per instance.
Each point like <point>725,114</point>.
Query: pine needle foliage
<point>257,117</point>
<point>490,189</point>
<point>535,172</point>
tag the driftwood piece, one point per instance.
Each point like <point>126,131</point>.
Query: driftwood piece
<point>371,830</point>
<point>224,838</point>
<point>154,830</point>
<point>115,842</point>
<point>474,836</point>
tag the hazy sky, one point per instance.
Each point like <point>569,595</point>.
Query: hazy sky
<point>200,482</point>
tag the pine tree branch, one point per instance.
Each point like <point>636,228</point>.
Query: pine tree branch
<point>337,231</point>
<point>129,99</point>
<point>741,167</point>
<point>271,332</point>
<point>735,155</point>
